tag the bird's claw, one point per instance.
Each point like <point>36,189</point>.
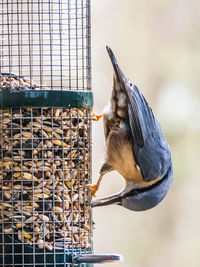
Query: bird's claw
<point>96,117</point>
<point>93,188</point>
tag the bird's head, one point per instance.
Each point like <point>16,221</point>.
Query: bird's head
<point>146,198</point>
<point>140,199</point>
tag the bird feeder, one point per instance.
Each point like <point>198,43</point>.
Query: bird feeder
<point>45,134</point>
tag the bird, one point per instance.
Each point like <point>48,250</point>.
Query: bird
<point>135,147</point>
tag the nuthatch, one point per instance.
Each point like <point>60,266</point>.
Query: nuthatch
<point>135,147</point>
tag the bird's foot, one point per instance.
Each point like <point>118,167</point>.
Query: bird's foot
<point>93,188</point>
<point>96,117</point>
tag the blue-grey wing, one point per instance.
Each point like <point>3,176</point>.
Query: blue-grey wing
<point>150,148</point>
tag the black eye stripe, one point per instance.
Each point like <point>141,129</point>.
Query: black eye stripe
<point>137,191</point>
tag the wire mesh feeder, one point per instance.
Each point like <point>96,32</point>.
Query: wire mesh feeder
<point>45,124</point>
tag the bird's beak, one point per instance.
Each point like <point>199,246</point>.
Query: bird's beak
<point>114,199</point>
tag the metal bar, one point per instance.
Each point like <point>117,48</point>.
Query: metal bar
<point>97,258</point>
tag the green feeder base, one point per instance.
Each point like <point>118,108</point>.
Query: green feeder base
<point>15,253</point>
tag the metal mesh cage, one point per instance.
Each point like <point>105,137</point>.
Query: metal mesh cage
<point>45,143</point>
<point>47,41</point>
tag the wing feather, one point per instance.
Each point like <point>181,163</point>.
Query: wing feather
<point>150,147</point>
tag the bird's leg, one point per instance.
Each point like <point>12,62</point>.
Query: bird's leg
<point>104,169</point>
<point>95,187</point>
<point>96,117</point>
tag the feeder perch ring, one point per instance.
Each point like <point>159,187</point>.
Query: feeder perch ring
<point>46,98</point>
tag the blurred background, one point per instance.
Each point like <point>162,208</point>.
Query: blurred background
<point>157,44</point>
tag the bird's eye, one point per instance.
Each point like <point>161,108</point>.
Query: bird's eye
<point>131,84</point>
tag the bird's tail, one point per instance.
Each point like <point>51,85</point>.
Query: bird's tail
<point>140,114</point>
<point>121,77</point>
<point>113,59</point>
<point>113,199</point>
